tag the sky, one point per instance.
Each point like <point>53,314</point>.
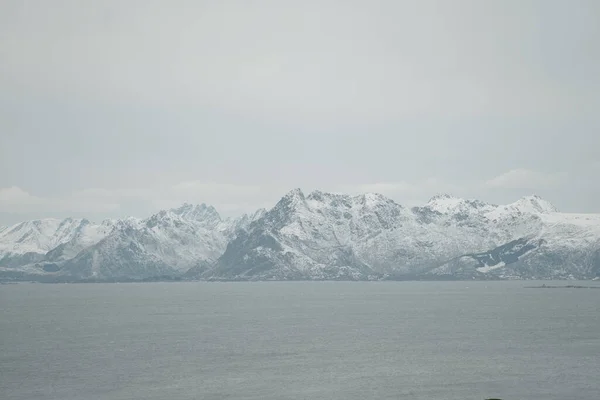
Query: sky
<point>116,108</point>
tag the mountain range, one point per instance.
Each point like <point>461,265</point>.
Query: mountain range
<point>319,236</point>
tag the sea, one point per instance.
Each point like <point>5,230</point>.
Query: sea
<point>299,340</point>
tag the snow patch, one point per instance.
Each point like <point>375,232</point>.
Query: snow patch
<point>489,268</point>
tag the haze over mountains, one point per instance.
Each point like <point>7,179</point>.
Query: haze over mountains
<point>316,236</point>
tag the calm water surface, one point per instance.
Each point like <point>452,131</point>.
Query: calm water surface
<point>301,340</point>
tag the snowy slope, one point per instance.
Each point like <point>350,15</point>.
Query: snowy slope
<point>565,246</point>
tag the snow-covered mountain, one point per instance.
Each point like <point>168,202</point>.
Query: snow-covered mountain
<point>30,241</point>
<point>167,243</point>
<point>565,246</point>
<point>333,236</point>
<point>315,236</point>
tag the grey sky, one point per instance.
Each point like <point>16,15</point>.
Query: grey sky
<point>112,108</point>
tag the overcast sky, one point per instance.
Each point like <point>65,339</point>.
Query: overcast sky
<point>114,108</point>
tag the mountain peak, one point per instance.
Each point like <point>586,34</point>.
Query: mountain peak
<point>187,208</point>
<point>444,202</point>
<point>257,214</point>
<point>190,212</point>
<point>317,195</point>
<point>295,193</point>
<point>441,196</point>
<point>320,196</point>
<point>372,199</point>
<point>534,203</point>
<point>292,198</point>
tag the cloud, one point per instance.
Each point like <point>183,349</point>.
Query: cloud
<point>16,197</point>
<point>522,178</point>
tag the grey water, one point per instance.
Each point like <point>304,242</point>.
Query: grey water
<point>299,340</point>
